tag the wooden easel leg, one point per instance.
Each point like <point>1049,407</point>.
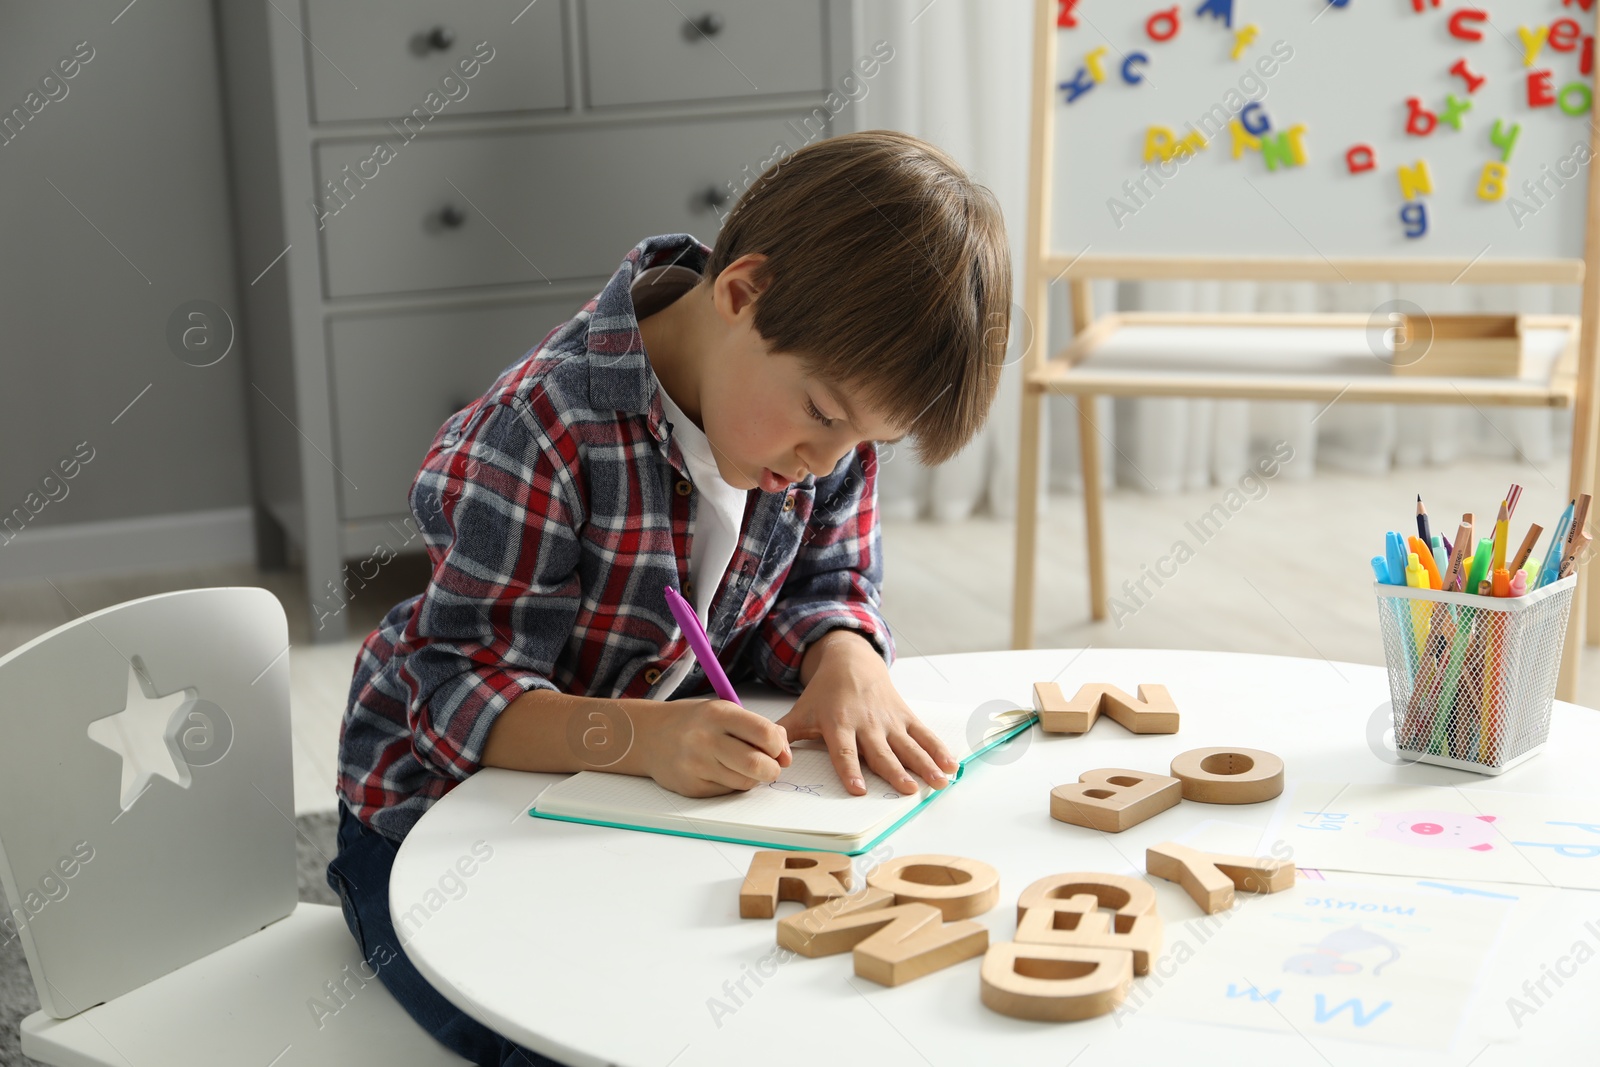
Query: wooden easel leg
<point>1585,425</point>
<point>1022,586</point>
<point>1093,496</point>
<point>1081,293</point>
<point>1585,598</point>
<point>1588,588</point>
<point>1581,476</point>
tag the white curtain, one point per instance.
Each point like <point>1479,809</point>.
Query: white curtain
<point>960,78</point>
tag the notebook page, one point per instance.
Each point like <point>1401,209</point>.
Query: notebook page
<point>807,797</point>
<point>959,725</point>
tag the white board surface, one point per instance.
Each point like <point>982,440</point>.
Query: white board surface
<point>1345,74</point>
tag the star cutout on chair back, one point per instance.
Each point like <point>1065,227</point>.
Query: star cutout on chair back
<point>140,733</point>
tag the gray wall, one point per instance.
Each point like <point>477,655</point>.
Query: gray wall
<point>136,144</point>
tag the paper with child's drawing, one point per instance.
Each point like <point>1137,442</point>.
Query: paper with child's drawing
<point>807,796</point>
<point>806,804</point>
<point>1379,962</point>
<point>1486,835</point>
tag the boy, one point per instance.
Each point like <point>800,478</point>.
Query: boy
<point>859,291</point>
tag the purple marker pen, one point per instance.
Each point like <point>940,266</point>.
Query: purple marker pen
<point>700,645</point>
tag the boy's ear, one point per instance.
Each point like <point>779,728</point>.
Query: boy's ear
<point>735,291</point>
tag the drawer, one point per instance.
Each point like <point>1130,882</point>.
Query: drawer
<point>528,206</point>
<point>396,378</point>
<point>381,59</point>
<point>640,53</point>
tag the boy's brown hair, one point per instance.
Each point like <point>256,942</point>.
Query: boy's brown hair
<point>888,274</point>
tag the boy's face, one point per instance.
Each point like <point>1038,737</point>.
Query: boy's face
<point>760,408</point>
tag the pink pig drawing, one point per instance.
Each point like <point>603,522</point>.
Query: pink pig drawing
<point>1437,829</point>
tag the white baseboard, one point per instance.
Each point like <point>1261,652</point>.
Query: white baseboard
<point>128,546</point>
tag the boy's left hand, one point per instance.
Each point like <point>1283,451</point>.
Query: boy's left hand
<point>851,706</point>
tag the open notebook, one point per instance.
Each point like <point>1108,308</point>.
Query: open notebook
<point>806,808</point>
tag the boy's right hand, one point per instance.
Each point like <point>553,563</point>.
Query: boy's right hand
<point>708,747</point>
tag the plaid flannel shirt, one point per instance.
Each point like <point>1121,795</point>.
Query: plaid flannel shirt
<point>554,510</point>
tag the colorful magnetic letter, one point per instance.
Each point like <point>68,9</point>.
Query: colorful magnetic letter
<point>1465,73</point>
<point>1244,38</point>
<point>1492,185</point>
<point>1129,75</point>
<point>1582,91</point>
<point>1459,20</point>
<point>1092,61</point>
<point>1167,20</point>
<point>1564,34</point>
<point>1286,148</point>
<point>1420,122</point>
<point>1360,158</point>
<point>1454,108</point>
<point>1242,139</point>
<point>1219,9</point>
<point>1421,5</point>
<point>1415,216</point>
<point>1415,180</point>
<point>1532,42</point>
<point>1586,60</point>
<point>1504,139</point>
<point>1065,19</point>
<point>1254,119</point>
<point>1540,92</point>
<point>1158,141</point>
<point>1080,84</point>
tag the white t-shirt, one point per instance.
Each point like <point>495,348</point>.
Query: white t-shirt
<point>720,510</point>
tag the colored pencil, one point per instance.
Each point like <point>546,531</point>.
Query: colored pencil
<point>1502,533</point>
<point>1580,516</point>
<point>1458,554</point>
<point>1460,734</point>
<point>1527,547</point>
<point>1512,496</point>
<point>1558,540</point>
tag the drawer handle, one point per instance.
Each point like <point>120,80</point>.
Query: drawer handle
<point>450,217</point>
<point>712,197</point>
<point>440,38</point>
<point>707,25</point>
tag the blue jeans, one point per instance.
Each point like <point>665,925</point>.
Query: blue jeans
<point>360,875</point>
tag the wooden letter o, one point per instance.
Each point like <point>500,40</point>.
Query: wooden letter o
<point>960,888</point>
<point>1228,775</point>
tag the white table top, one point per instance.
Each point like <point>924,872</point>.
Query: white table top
<point>597,945</point>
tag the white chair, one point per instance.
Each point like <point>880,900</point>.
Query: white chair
<point>169,933</point>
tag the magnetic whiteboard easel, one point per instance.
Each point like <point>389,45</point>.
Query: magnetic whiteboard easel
<point>1317,80</point>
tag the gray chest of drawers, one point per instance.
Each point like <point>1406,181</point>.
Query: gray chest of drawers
<point>423,189</point>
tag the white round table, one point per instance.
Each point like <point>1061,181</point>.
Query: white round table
<point>596,945</point>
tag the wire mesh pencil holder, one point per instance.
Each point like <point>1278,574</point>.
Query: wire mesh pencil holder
<point>1472,678</point>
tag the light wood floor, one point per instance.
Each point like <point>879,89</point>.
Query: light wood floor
<point>1285,572</point>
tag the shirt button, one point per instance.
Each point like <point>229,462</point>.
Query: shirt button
<point>788,502</point>
<point>652,675</point>
<point>685,487</point>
